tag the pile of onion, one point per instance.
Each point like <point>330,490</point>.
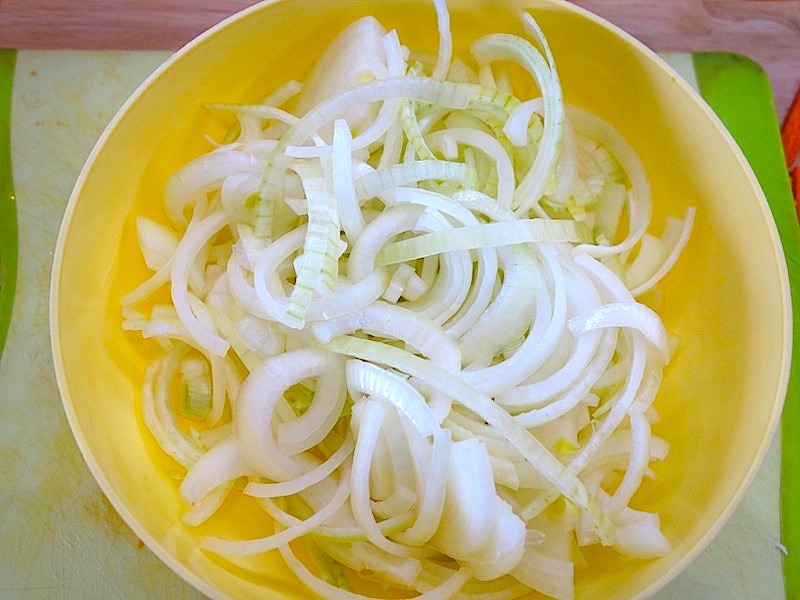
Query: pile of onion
<point>404,317</point>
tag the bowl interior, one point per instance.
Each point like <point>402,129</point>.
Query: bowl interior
<point>727,299</point>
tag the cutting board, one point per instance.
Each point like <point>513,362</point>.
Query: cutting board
<point>60,537</point>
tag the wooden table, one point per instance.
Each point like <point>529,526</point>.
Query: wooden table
<point>766,30</point>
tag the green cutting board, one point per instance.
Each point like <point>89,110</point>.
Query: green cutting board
<point>60,537</point>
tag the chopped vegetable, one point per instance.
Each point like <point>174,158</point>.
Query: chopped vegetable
<point>404,320</point>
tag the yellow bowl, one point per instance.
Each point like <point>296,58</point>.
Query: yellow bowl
<point>728,298</point>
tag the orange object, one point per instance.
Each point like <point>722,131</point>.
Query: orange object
<point>794,176</point>
<point>790,135</point>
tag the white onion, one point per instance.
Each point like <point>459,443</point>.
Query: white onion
<point>413,296</point>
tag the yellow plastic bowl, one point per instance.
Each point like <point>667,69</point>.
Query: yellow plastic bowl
<point>728,298</point>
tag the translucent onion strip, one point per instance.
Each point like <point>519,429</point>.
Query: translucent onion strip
<point>276,540</point>
<point>257,401</point>
<point>480,236</point>
<point>326,590</point>
<point>197,236</point>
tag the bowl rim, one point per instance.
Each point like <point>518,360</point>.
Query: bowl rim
<point>748,475</point>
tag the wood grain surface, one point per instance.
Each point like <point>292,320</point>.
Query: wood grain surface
<point>766,30</point>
